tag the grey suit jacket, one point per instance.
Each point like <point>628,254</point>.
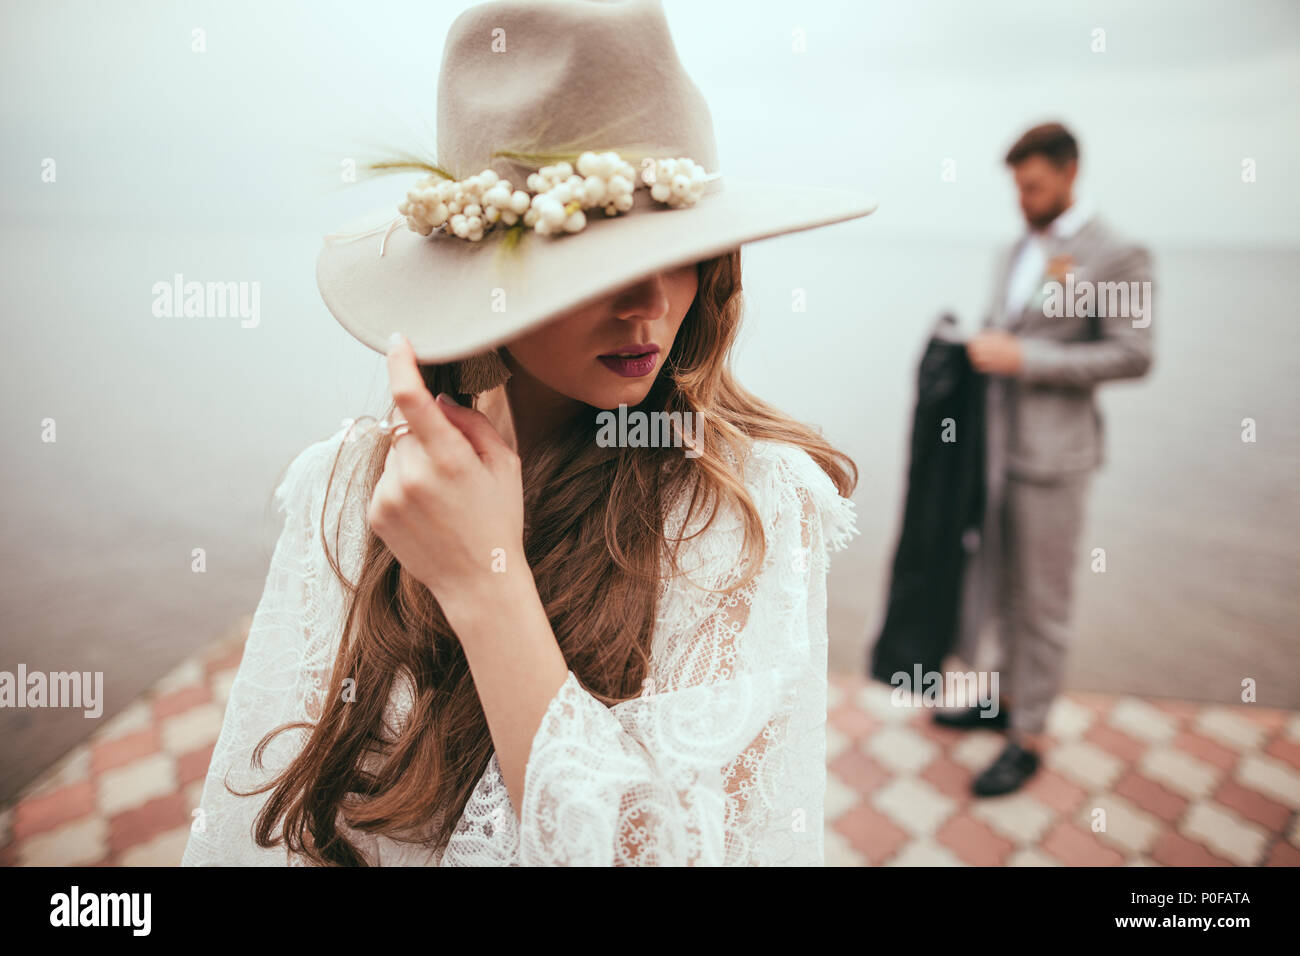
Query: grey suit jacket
<point>1048,422</point>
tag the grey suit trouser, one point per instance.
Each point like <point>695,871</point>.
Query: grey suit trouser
<point>1023,566</point>
<point>1037,540</point>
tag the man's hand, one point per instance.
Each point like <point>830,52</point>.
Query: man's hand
<point>995,353</point>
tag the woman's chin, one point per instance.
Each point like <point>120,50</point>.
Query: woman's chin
<point>630,396</point>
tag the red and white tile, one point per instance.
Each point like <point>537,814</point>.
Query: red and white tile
<point>1126,782</point>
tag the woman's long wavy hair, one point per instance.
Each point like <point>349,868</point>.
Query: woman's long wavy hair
<point>594,537</point>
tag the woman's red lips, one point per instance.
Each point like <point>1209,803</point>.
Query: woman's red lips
<point>632,361</point>
<point>632,351</point>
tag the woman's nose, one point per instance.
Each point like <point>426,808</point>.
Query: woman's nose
<point>647,299</point>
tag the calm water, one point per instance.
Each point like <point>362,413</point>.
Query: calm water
<point>172,432</point>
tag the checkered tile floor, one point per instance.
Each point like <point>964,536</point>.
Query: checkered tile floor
<point>1127,781</point>
<point>124,797</point>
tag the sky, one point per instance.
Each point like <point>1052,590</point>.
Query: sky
<point>250,134</point>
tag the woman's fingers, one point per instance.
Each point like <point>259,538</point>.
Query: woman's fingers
<point>477,429</point>
<point>428,423</point>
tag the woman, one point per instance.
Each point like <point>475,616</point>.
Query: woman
<point>490,634</point>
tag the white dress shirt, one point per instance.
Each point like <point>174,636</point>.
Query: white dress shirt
<point>1026,276</point>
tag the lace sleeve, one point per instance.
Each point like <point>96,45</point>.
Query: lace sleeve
<point>724,761</point>
<point>285,667</point>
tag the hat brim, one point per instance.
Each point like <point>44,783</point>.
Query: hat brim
<point>453,298</point>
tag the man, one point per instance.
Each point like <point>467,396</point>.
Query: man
<point>1047,343</point>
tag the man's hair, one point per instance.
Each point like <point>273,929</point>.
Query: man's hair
<point>1051,140</point>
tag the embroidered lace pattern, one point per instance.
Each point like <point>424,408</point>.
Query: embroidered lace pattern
<point>721,761</point>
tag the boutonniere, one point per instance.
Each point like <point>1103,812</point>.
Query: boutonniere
<point>1058,267</point>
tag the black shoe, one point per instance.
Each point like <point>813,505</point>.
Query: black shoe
<point>970,718</point>
<point>1009,772</point>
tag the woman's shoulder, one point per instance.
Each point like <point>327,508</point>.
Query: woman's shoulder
<point>796,501</point>
<point>324,483</point>
<point>783,478</point>
<point>304,481</point>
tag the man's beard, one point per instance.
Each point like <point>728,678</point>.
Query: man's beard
<point>1039,223</point>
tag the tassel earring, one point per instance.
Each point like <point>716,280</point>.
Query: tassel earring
<point>480,373</point>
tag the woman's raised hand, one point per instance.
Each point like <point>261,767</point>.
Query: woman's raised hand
<point>449,503</point>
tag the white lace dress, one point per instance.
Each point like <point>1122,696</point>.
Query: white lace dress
<point>721,761</point>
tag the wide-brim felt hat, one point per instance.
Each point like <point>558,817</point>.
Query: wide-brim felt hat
<point>523,82</point>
